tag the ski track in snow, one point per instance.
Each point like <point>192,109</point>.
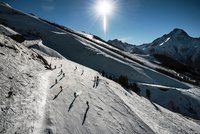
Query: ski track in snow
<point>43,87</point>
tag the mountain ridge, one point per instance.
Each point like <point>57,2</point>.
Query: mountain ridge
<point>177,44</point>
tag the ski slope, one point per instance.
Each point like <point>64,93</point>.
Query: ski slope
<point>91,53</point>
<point>38,105</point>
<point>100,56</point>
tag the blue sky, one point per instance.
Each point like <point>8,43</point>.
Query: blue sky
<point>133,21</point>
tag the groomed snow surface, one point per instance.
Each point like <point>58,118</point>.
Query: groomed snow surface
<point>31,102</point>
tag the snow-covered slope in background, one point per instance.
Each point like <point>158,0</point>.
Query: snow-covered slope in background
<point>31,102</point>
<point>125,46</point>
<point>82,51</point>
<point>7,31</point>
<point>177,45</point>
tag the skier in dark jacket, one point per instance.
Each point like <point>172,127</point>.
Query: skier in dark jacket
<point>75,95</point>
<point>95,79</point>
<point>56,81</point>
<point>61,71</point>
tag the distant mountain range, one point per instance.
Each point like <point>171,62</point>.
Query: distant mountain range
<point>177,45</point>
<point>125,46</point>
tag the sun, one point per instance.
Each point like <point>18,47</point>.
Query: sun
<point>104,8</point>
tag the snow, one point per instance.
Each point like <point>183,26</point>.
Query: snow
<point>177,45</point>
<point>7,31</point>
<point>20,75</point>
<point>125,46</point>
<point>165,41</point>
<point>89,36</point>
<point>38,45</point>
<point>99,56</point>
<point>40,106</point>
<point>5,4</point>
<point>111,108</point>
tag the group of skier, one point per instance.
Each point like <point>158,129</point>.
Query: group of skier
<point>96,82</point>
<point>61,73</point>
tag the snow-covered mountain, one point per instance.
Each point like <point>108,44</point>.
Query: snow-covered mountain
<point>33,102</point>
<point>125,46</point>
<point>177,45</point>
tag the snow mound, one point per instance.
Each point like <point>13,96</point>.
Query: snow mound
<point>42,48</point>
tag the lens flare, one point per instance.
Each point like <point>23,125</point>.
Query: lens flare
<point>104,8</point>
<point>104,24</point>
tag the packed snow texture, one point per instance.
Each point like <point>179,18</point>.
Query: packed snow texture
<point>31,102</point>
<point>38,105</point>
<point>100,56</point>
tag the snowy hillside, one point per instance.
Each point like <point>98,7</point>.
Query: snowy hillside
<point>110,108</point>
<point>177,45</point>
<point>98,55</point>
<point>31,101</point>
<point>92,53</point>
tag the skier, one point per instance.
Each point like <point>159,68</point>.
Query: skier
<point>10,93</point>
<point>50,66</point>
<point>54,67</point>
<point>63,74</point>
<point>75,95</point>
<point>82,72</point>
<point>61,71</point>
<point>95,79</point>
<point>61,88</point>
<point>56,81</point>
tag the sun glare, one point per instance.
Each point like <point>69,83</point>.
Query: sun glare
<point>104,8</point>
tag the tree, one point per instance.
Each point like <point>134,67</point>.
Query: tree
<point>134,88</point>
<point>123,81</point>
<point>148,94</point>
<point>103,73</point>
